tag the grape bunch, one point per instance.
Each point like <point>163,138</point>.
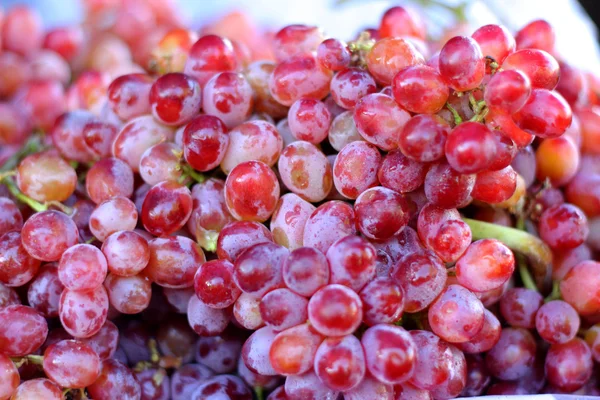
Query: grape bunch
<point>235,213</point>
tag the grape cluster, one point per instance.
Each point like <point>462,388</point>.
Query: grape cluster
<point>237,214</point>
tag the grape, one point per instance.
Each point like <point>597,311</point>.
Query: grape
<point>305,170</point>
<point>82,267</point>
<point>537,34</point>
<point>420,89</point>
<point>174,261</point>
<point>308,386</point>
<point>502,121</point>
<point>105,342</point>
<point>261,136</point>
<point>258,269</point>
<point>178,299</point>
<point>494,187</point>
<point>513,354</point>
<point>126,253</point>
<point>485,265</point>
<point>569,365</point>
<point>214,284</point>
<point>236,236</point>
<point>330,221</point>
<point>222,387</point>
<point>439,365</point>
<point>176,339</point>
<point>154,383</point>
<point>71,364</point>
<point>161,162</point>
<point>210,55</point>
<point>557,322</point>
<point>44,291</point>
<point>309,120</point>
<point>305,271</point>
<point>255,351</point>
<point>38,389</point>
<point>422,277</point>
<point>461,63</point>
<point>219,353</point>
<point>206,321</point>
<point>282,309</point>
<point>83,314</point>
<point>288,220</point>
<point>246,311</point>
<point>333,54</point>
<point>335,310</point>
<point>340,363</point>
<point>128,294</point>
<point>258,74</point>
<point>43,101</point>
<point>495,41</point>
<point>108,178</point>
<point>442,231</point>
<point>296,40</point>
<point>355,168</point>
<point>390,55</point>
<point>129,95</point>
<point>98,136</point>
<point>48,234</point>
<point>380,120</point>
<point>45,177</point>
<point>175,98</point>
<point>186,379</point>
<point>137,136</point>
<point>540,67</point>
<point>292,351</point>
<point>22,330</point>
<point>507,90</point>
<point>113,215</point>
<point>343,131</point>
<point>256,380</point>
<point>10,377</point>
<point>546,114</point>
<point>563,261</point>
<point>14,126</point>
<point>299,77</point>
<point>65,41</point>
<point>383,301</point>
<point>446,187</point>
<point>456,315</point>
<point>8,296</point>
<point>352,262</point>
<point>400,21</point>
<point>470,148</point>
<point>205,141</point>
<point>166,208</point>
<point>423,138</point>
<point>17,267</point>
<point>390,353</point>
<point>519,307</point>
<point>209,214</point>
<point>579,288</point>
<point>563,226</point>
<point>252,191</point>
<point>115,380</point>
<point>557,159</point>
<point>381,213</point>
<point>349,85</point>
<point>486,338</point>
<point>228,96</point>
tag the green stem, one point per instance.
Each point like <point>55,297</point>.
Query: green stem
<point>524,273</point>
<point>67,210</point>
<point>260,392</point>
<point>534,249</point>
<point>457,118</point>
<point>14,190</point>
<point>555,294</point>
<point>207,239</point>
<point>32,359</point>
<point>474,103</point>
<point>189,171</point>
<point>33,145</point>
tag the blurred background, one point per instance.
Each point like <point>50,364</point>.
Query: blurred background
<point>573,20</point>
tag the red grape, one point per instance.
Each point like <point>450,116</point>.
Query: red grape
<point>237,236</point>
<point>495,41</point>
<point>485,265</point>
<point>282,309</point>
<point>174,261</point>
<point>288,220</point>
<point>390,55</point>
<point>486,338</point>
<point>126,253</point>
<point>293,350</point>
<point>335,310</point>
<point>166,208</point>
<point>537,34</point>
<point>204,320</point>
<point>349,85</point>
<point>22,330</point>
<point>71,364</point>
<point>82,267</point>
<point>205,142</point>
<point>540,67</point>
<point>129,95</point>
<point>214,284</point>
<point>569,365</point>
<point>257,270</point>
<point>113,215</point>
<point>115,380</point>
<point>17,267</point>
<point>507,90</point>
<point>48,234</point>
<point>207,57</point>
<point>107,178</point>
<point>380,120</point>
<point>580,287</point>
<point>83,314</point>
<point>228,96</point>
